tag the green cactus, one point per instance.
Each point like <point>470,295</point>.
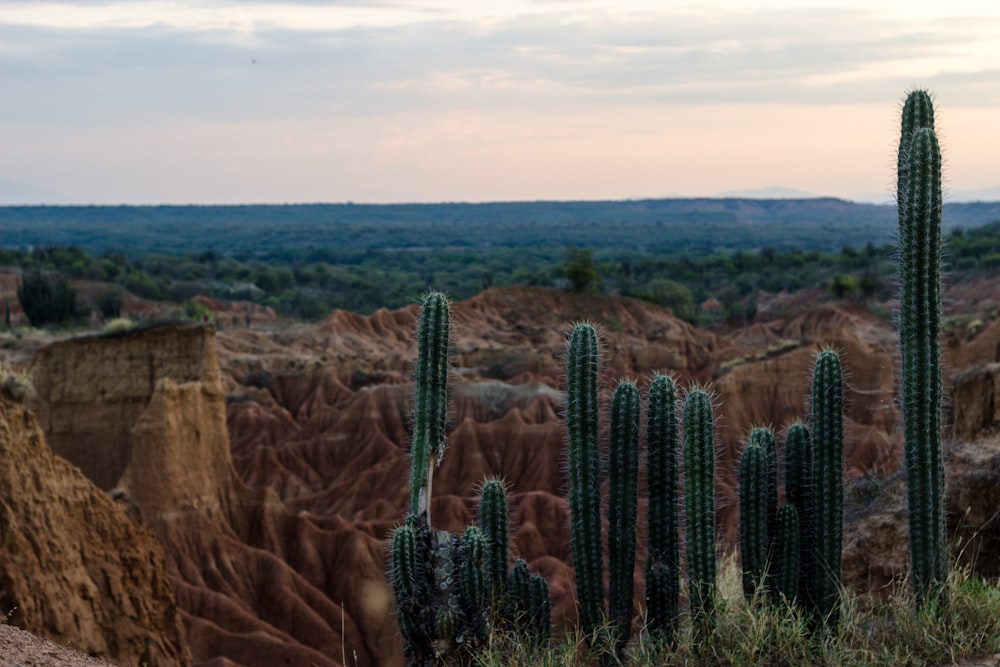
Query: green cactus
<point>699,487</point>
<point>919,330</point>
<point>828,473</point>
<point>918,112</point>
<point>763,437</point>
<point>753,519</point>
<point>623,477</point>
<point>528,606</point>
<point>786,559</point>
<point>541,610</point>
<point>493,513</point>
<point>430,406</point>
<point>663,564</point>
<point>582,378</point>
<point>441,583</point>
<point>799,490</point>
<point>474,586</point>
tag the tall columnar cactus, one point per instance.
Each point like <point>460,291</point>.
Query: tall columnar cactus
<point>430,407</point>
<point>786,555</point>
<point>800,492</point>
<point>919,329</point>
<point>493,513</point>
<point>663,564</point>
<point>828,466</point>
<point>753,518</point>
<point>582,381</point>
<point>699,486</point>
<point>623,497</point>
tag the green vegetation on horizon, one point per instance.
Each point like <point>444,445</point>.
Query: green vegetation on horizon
<point>307,284</point>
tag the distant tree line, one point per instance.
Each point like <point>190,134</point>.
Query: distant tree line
<point>308,283</point>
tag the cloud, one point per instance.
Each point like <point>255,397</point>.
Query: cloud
<point>473,86</point>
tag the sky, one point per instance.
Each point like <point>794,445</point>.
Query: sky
<point>187,101</point>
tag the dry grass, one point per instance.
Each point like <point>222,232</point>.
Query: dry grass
<point>885,632</point>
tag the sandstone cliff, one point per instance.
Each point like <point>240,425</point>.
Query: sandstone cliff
<point>74,567</point>
<point>256,584</point>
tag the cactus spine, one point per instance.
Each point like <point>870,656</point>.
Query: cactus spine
<point>919,328</point>
<point>828,435</point>
<point>787,563</point>
<point>430,407</point>
<point>663,565</point>
<point>799,491</point>
<point>699,486</point>
<point>582,409</point>
<point>753,518</point>
<point>623,475</point>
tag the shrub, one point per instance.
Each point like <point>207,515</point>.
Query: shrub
<point>46,299</point>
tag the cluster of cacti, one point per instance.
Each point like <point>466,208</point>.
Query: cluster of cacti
<point>919,202</point>
<point>448,588</point>
<point>663,449</point>
<point>797,555</point>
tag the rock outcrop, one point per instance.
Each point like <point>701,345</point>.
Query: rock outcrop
<point>255,583</point>
<point>74,566</point>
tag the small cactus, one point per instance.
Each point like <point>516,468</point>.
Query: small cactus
<point>786,561</point>
<point>753,519</point>
<point>493,513</point>
<point>800,492</point>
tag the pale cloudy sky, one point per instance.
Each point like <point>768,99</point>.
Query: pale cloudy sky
<point>209,101</point>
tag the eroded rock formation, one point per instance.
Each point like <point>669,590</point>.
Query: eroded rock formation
<point>74,567</point>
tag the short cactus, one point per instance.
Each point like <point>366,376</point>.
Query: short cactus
<point>800,492</point>
<point>493,519</point>
<point>753,519</point>
<point>786,555</point>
